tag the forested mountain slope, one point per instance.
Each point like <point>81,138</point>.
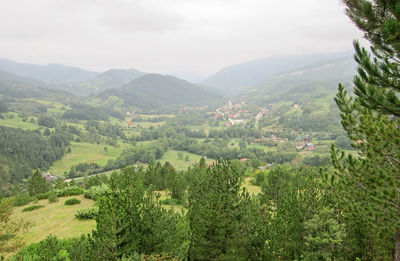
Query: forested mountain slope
<point>113,78</point>
<point>155,92</point>
<point>309,80</point>
<point>236,78</point>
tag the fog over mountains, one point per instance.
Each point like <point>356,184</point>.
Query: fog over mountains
<point>258,79</point>
<point>235,78</point>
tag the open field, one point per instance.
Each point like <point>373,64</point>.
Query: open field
<point>56,219</point>
<point>83,152</point>
<point>17,122</point>
<point>180,164</point>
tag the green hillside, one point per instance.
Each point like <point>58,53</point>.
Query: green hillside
<point>316,80</point>
<point>236,78</point>
<point>155,92</point>
<point>110,79</point>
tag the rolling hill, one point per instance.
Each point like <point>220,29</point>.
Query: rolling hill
<point>315,79</point>
<point>239,77</point>
<point>53,73</point>
<point>113,78</point>
<point>15,86</point>
<point>155,92</point>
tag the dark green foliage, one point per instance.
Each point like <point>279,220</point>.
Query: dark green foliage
<point>33,207</point>
<point>70,191</point>
<point>72,201</point>
<point>83,169</point>
<point>42,195</point>
<point>46,132</point>
<point>23,151</point>
<point>368,183</point>
<point>171,201</point>
<point>325,236</point>
<point>105,129</point>
<point>225,223</point>
<point>51,248</point>
<point>52,197</point>
<point>87,213</point>
<point>159,93</point>
<point>21,199</point>
<point>47,122</point>
<point>60,184</point>
<point>144,154</point>
<point>131,220</point>
<point>176,184</point>
<point>317,160</point>
<point>96,180</point>
<point>3,106</point>
<point>95,192</point>
<point>86,112</point>
<point>37,184</point>
<point>291,196</point>
<point>319,122</point>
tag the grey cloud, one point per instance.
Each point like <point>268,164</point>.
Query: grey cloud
<point>139,17</point>
<point>169,35</point>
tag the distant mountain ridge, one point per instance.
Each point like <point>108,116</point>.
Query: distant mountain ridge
<point>12,85</point>
<point>322,76</point>
<point>51,73</point>
<point>236,78</point>
<point>113,78</point>
<point>157,92</point>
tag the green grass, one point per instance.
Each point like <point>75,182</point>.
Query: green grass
<point>83,152</point>
<point>56,219</point>
<point>180,164</point>
<point>16,122</point>
<point>253,190</point>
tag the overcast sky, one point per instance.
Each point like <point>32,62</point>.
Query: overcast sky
<point>169,35</point>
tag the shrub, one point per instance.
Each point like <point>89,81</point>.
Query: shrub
<point>52,197</point>
<point>21,199</point>
<point>69,191</point>
<point>43,195</point>
<point>33,207</point>
<point>171,201</point>
<point>72,201</point>
<point>96,192</point>
<point>87,213</point>
<point>51,248</point>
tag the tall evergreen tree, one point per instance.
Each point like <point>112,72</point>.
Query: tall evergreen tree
<point>37,184</point>
<point>226,224</point>
<point>369,184</point>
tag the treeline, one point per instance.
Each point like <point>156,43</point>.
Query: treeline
<point>23,151</point>
<point>80,111</point>
<point>295,217</point>
<point>137,118</point>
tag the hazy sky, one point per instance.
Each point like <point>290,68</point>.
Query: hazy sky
<point>169,35</point>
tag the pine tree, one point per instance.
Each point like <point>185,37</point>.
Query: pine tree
<point>37,184</point>
<point>369,183</point>
<point>225,223</point>
<point>11,229</point>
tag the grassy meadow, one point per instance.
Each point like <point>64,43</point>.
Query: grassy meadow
<point>181,164</point>
<point>12,119</point>
<point>83,152</point>
<point>56,219</point>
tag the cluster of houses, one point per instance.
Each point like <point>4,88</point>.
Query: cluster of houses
<point>198,108</point>
<point>230,111</point>
<point>49,177</point>
<point>304,143</point>
<point>278,139</point>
